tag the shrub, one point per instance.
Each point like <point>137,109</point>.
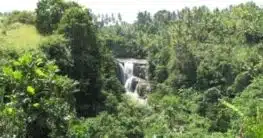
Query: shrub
<point>40,101</point>
<point>56,48</point>
<point>24,17</point>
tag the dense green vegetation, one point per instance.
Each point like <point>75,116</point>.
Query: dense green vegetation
<point>58,76</point>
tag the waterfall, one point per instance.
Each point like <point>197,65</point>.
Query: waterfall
<point>129,84</point>
<point>121,73</point>
<point>128,70</point>
<point>128,74</point>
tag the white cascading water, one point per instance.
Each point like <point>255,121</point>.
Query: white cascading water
<point>130,81</point>
<point>122,77</point>
<point>128,84</point>
<point>128,70</point>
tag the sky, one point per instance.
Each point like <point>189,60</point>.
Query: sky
<point>129,8</point>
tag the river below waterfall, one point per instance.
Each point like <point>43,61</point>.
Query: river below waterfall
<point>133,75</point>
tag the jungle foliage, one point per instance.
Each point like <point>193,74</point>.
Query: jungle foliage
<point>205,69</point>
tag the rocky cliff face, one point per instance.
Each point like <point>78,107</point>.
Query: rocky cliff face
<point>140,70</point>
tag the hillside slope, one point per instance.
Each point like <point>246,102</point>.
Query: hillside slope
<point>19,37</point>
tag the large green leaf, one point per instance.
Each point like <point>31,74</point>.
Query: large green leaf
<point>30,90</point>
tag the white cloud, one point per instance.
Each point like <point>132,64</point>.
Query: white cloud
<point>128,8</point>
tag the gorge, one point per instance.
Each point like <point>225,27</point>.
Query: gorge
<point>133,75</point>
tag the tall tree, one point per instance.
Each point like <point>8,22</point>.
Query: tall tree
<point>78,28</point>
<point>49,13</point>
